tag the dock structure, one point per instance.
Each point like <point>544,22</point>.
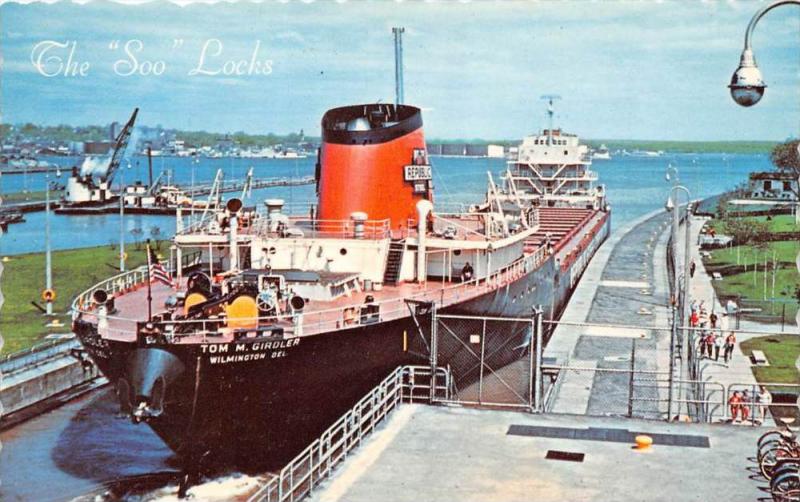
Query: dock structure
<point>436,453</point>
<point>197,191</point>
<point>43,378</point>
<point>239,185</point>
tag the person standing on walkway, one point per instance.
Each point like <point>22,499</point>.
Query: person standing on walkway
<point>710,344</point>
<point>745,406</point>
<point>764,399</point>
<point>702,343</point>
<point>717,345</point>
<point>734,402</point>
<point>692,267</point>
<point>713,320</point>
<point>730,343</point>
<point>693,319</point>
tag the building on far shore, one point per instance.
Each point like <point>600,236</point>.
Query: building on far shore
<point>466,150</point>
<point>773,185</point>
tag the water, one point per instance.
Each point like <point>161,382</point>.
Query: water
<point>100,230</point>
<point>70,450</point>
<point>635,185</point>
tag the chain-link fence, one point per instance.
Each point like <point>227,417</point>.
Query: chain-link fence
<point>491,360</point>
<point>655,373</point>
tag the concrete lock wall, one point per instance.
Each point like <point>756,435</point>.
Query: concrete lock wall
<point>44,385</point>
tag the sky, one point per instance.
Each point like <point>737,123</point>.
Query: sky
<point>624,70</point>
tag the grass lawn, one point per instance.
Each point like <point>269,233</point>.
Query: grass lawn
<point>777,223</point>
<point>10,198</point>
<point>782,352</point>
<point>745,279</point>
<point>74,271</point>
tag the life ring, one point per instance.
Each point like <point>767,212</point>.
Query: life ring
<point>48,295</point>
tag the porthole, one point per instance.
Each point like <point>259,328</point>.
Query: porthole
<point>457,252</point>
<point>343,251</point>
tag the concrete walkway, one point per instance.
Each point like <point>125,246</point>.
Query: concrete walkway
<point>739,369</point>
<point>434,453</point>
<point>625,284</point>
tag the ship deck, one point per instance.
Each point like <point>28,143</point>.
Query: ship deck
<point>566,227</point>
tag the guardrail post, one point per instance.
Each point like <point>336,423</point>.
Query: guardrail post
<point>538,386</point>
<point>434,349</point>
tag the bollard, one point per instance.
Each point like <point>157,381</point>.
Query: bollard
<point>643,442</point>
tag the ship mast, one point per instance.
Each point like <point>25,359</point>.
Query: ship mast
<point>398,65</point>
<point>550,112</point>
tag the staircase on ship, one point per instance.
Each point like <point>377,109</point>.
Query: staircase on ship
<point>391,274</point>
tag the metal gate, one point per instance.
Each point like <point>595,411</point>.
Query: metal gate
<point>491,360</point>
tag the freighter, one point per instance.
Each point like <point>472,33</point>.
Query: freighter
<point>276,324</point>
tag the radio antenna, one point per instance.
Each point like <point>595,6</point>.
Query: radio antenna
<point>550,112</point>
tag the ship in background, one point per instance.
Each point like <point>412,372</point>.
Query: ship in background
<point>275,324</point>
<point>602,153</point>
<point>553,169</point>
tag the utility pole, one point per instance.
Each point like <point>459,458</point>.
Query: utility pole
<point>48,253</point>
<point>398,65</point>
<point>122,219</point>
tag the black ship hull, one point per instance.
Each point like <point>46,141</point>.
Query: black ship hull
<point>255,404</point>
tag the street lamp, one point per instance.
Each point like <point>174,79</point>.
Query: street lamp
<point>671,174</point>
<point>680,310</point>
<point>122,217</point>
<point>747,86</point>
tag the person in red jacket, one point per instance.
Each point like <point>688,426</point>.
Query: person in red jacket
<point>734,402</point>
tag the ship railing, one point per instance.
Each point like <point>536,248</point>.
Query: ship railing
<point>122,283</point>
<point>113,286</point>
<point>469,224</point>
<point>406,384</point>
<point>305,323</point>
<point>315,228</point>
<point>200,225</point>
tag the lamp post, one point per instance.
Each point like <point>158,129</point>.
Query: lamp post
<point>195,161</point>
<point>122,217</point>
<point>747,85</point>
<point>48,274</point>
<point>680,307</point>
<point>671,174</point>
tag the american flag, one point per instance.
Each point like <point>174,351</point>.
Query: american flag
<point>156,270</point>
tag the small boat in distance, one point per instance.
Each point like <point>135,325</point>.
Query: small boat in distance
<point>601,153</point>
<point>643,153</point>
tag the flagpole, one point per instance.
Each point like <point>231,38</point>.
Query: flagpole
<point>149,291</point>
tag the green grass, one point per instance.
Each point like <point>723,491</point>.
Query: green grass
<point>74,271</point>
<point>785,253</point>
<point>10,198</point>
<point>782,352</point>
<point>749,284</point>
<point>777,223</point>
<point>688,146</point>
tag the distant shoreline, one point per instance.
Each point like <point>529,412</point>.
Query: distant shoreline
<point>752,147</point>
